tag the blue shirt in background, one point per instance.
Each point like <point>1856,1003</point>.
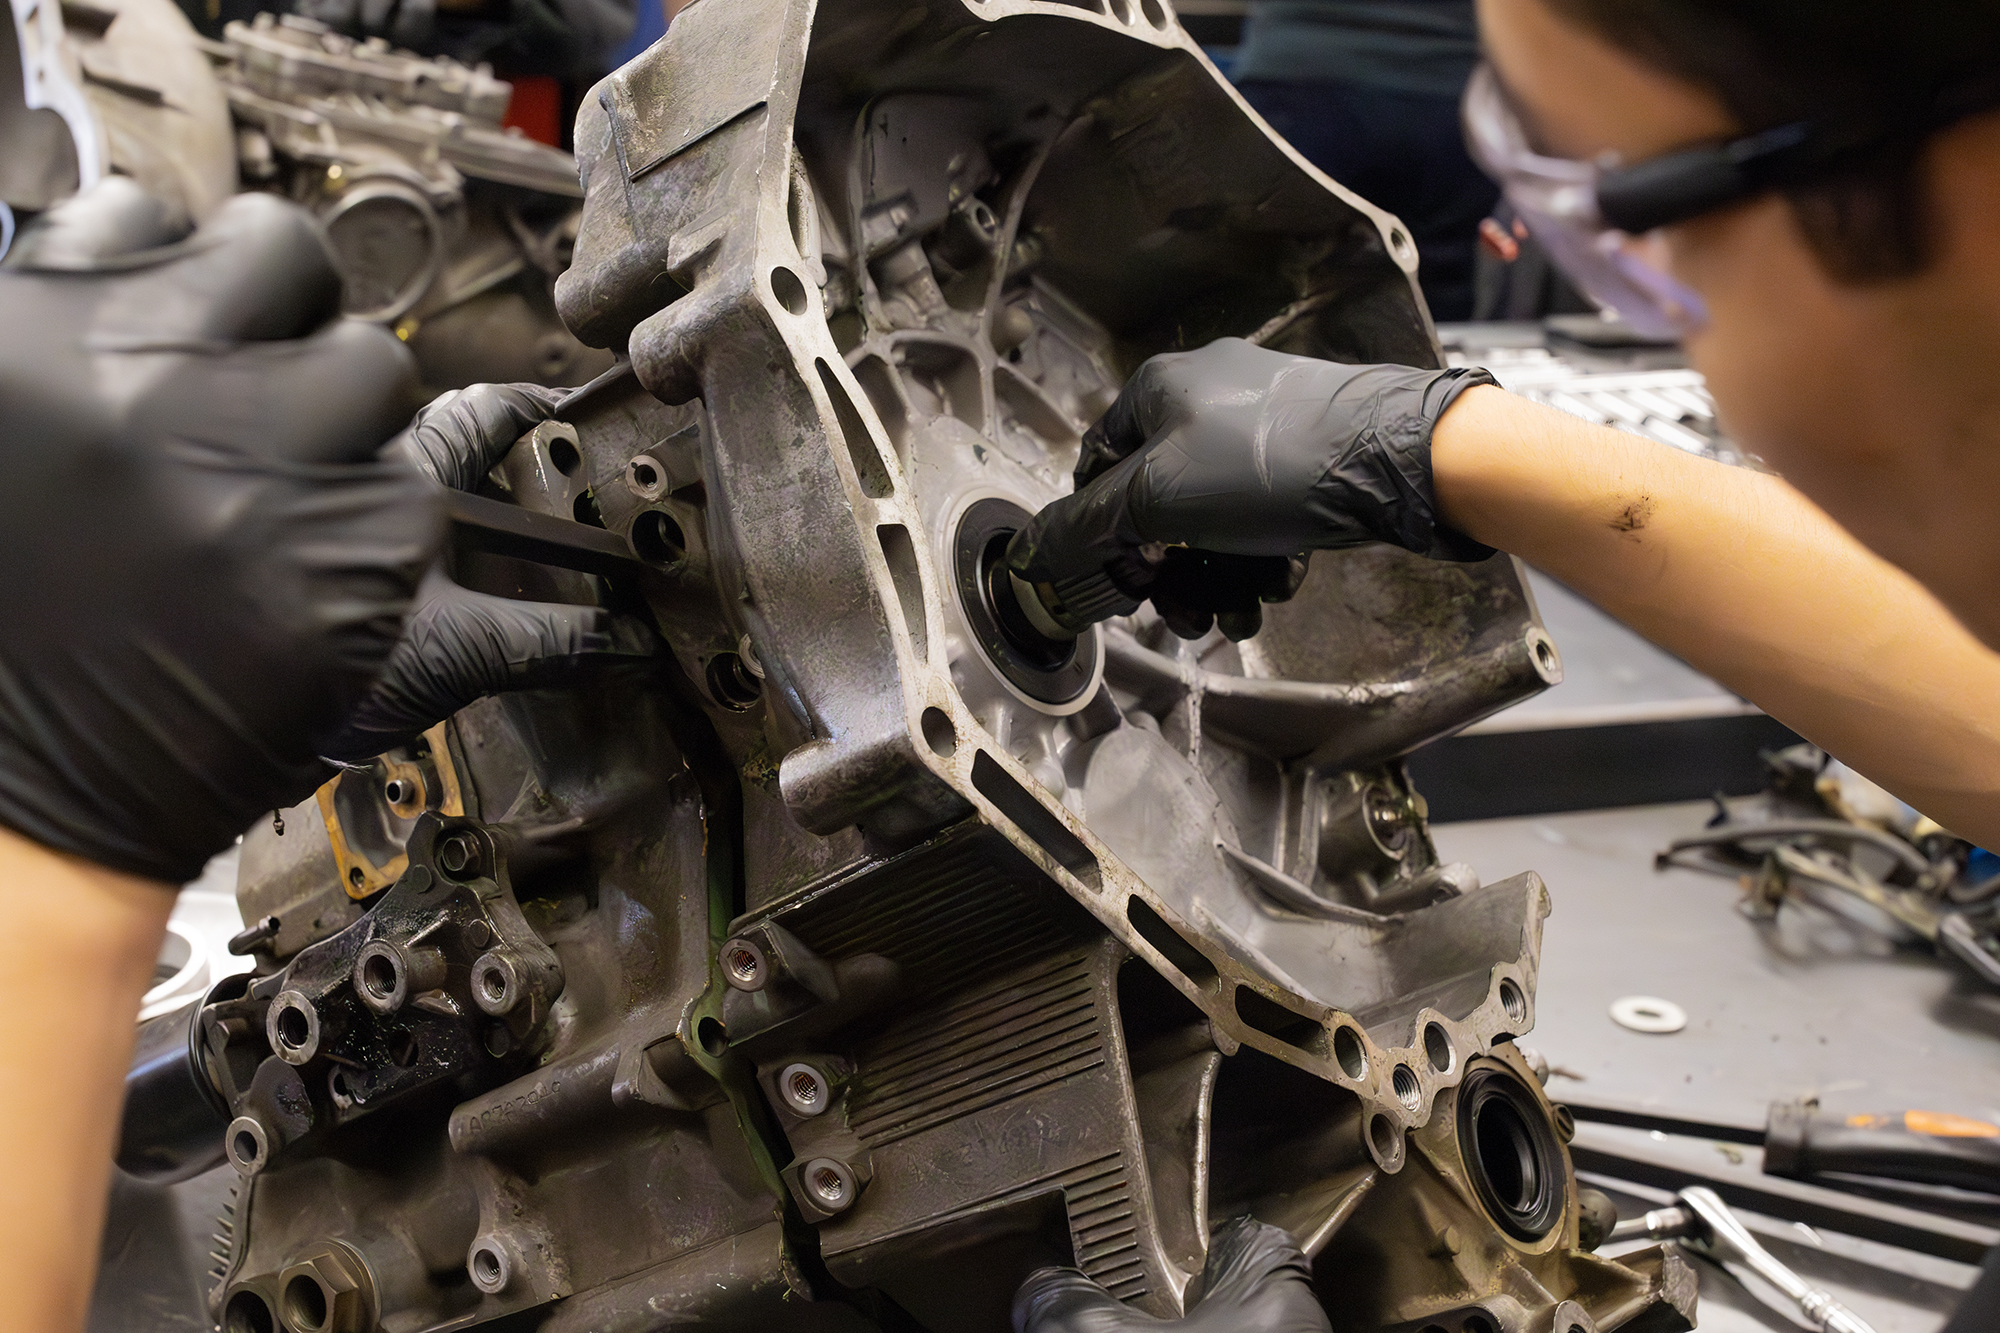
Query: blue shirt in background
<point>1424,47</point>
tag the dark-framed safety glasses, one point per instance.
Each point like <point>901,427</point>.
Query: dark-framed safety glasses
<point>1595,218</point>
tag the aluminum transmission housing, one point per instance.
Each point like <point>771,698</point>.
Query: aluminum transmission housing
<point>875,950</point>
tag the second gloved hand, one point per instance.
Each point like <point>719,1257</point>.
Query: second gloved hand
<point>1216,468</point>
<point>1258,1282</point>
<point>460,645</point>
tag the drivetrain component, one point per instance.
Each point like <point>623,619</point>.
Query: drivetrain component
<point>875,949</point>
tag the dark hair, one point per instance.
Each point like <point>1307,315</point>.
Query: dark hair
<point>1853,64</point>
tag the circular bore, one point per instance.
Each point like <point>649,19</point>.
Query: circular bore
<point>306,1305</point>
<point>804,1089</point>
<point>489,1265</point>
<point>1409,1091</point>
<point>791,293</point>
<point>1437,1047</point>
<point>732,684</point>
<point>658,538</point>
<point>458,855</point>
<point>714,1038</point>
<point>1045,670</point>
<point>830,1183</point>
<point>1648,1013</point>
<point>388,244</point>
<point>1382,1138</point>
<point>379,977</point>
<point>1548,662</point>
<point>292,1027</point>
<point>646,478</point>
<point>1351,1052</point>
<point>939,734</point>
<point>247,1312</point>
<point>1511,1153</point>
<point>496,983</point>
<point>248,1146</point>
<point>744,965</point>
<point>1477,1322</point>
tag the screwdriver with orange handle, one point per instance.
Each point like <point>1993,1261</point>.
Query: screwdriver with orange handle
<point>1922,1147</point>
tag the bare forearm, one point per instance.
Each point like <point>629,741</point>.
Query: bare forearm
<point>82,945</point>
<point>1747,580</point>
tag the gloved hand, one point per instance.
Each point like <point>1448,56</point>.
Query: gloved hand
<point>460,645</point>
<point>203,564</point>
<point>1246,458</point>
<point>1258,1282</point>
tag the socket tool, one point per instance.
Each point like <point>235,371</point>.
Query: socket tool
<point>1699,1219</point>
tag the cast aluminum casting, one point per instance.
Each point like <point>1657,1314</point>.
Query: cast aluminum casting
<point>875,949</point>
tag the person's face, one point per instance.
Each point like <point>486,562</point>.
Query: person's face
<point>1881,401</point>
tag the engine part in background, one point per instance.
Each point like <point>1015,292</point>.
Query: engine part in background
<point>1824,834</point>
<point>445,226</point>
<point>93,89</point>
<point>875,950</point>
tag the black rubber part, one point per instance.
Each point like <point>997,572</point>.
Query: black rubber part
<point>1051,670</point>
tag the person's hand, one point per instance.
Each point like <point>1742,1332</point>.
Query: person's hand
<point>1258,1282</point>
<point>203,563</point>
<point>460,645</point>
<point>1216,468</point>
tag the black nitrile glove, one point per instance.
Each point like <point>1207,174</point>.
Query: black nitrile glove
<point>203,563</point>
<point>1258,1282</point>
<point>461,645</point>
<point>1248,457</point>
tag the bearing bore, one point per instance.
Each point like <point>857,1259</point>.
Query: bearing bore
<point>1511,1153</point>
<point>1054,671</point>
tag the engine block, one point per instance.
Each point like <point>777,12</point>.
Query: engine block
<point>873,949</point>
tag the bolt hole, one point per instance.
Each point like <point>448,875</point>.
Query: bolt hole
<point>294,1027</point>
<point>248,1313</point>
<point>246,1146</point>
<point>1515,1003</point>
<point>1382,1137</point>
<point>791,293</point>
<point>939,734</point>
<point>458,854</point>
<point>713,1038</point>
<point>744,964</point>
<point>486,1268</point>
<point>355,876</point>
<point>827,1184</point>
<point>564,455</point>
<point>397,790</point>
<point>493,984</point>
<point>806,1089</point>
<point>657,538</point>
<point>1545,655</point>
<point>1437,1046</point>
<point>305,1304</point>
<point>1399,244</point>
<point>1409,1091</point>
<point>1350,1052</point>
<point>379,974</point>
<point>731,683</point>
<point>647,476</point>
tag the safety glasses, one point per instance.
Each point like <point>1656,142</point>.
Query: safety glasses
<point>1595,219</point>
<point>1561,201</point>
